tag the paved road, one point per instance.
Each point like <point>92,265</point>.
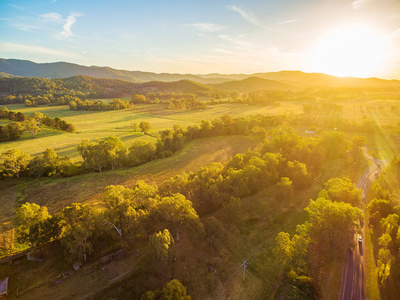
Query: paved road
<point>352,286</point>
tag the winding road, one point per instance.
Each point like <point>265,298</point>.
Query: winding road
<point>352,286</point>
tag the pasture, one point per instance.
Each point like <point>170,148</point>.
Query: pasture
<point>101,124</point>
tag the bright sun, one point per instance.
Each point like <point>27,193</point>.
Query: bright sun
<point>349,51</point>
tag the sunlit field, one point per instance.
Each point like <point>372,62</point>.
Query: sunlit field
<point>94,124</point>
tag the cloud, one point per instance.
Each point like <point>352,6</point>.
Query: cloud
<point>34,49</point>
<point>208,27</point>
<point>51,17</point>
<point>16,6</point>
<point>286,22</point>
<point>396,34</point>
<point>69,21</point>
<point>249,17</point>
<point>357,4</point>
<point>260,52</point>
<point>25,27</point>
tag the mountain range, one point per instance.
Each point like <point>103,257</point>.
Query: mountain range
<point>287,80</point>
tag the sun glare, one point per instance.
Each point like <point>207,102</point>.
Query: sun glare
<point>349,51</point>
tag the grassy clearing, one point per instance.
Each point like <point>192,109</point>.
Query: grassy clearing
<point>91,125</point>
<point>58,193</point>
<point>352,110</point>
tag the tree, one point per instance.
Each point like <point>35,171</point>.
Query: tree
<point>175,290</point>
<point>342,190</point>
<point>384,264</point>
<point>126,210</point>
<point>332,226</point>
<point>145,127</point>
<point>161,246</point>
<point>117,200</point>
<point>12,131</point>
<point>149,295</point>
<point>38,116</point>
<point>138,99</point>
<point>357,142</point>
<point>141,152</point>
<point>36,166</point>
<point>285,188</point>
<point>15,163</point>
<point>335,144</point>
<point>78,221</point>
<point>48,164</point>
<point>101,154</point>
<point>30,221</point>
<point>135,126</point>
<point>175,212</point>
<point>298,173</point>
<point>32,127</point>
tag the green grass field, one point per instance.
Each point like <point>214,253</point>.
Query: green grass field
<point>92,125</point>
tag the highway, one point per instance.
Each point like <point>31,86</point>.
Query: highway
<point>352,286</point>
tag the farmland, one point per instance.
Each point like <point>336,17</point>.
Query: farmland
<point>251,227</point>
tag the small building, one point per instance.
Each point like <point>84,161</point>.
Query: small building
<point>309,132</point>
<point>4,288</point>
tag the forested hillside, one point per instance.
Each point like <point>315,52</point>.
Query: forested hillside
<point>13,90</point>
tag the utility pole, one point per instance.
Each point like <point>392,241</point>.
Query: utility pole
<point>244,264</point>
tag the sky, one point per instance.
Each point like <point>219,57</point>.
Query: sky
<point>339,37</point>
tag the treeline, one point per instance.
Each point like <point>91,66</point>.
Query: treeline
<point>323,238</point>
<point>174,100</point>
<point>11,132</point>
<point>42,91</point>
<point>14,90</point>
<point>14,131</point>
<point>16,163</point>
<point>98,105</point>
<point>160,97</point>
<point>285,159</point>
<point>111,153</point>
<point>384,220</point>
<point>324,107</point>
<point>49,99</point>
<point>335,121</point>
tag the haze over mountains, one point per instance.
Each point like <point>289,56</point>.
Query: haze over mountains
<point>283,80</point>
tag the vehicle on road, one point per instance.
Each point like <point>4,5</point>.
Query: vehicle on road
<point>360,239</point>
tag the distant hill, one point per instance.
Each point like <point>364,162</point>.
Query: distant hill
<point>282,79</point>
<point>6,75</point>
<point>253,84</point>
<point>182,86</point>
<point>92,86</point>
<point>302,79</point>
<point>26,68</point>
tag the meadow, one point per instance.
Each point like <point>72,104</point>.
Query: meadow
<point>93,125</point>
